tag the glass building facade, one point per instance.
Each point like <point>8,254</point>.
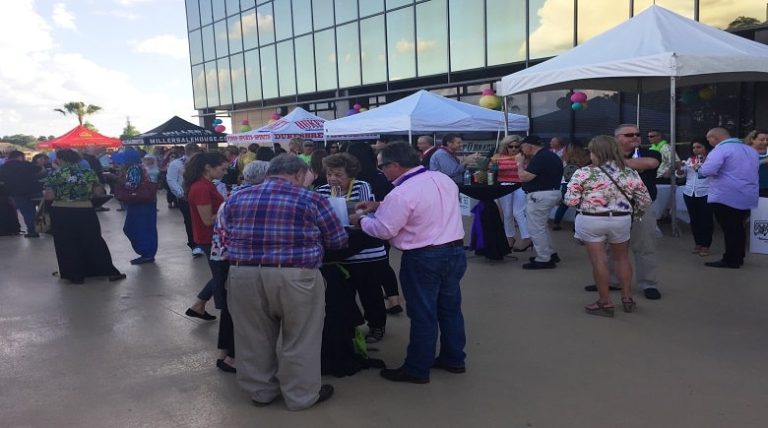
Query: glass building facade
<point>252,55</point>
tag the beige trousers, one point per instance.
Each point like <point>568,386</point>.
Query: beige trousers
<point>271,302</point>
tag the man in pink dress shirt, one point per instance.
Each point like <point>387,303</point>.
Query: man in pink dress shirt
<point>421,217</point>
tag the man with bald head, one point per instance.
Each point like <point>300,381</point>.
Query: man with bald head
<point>732,169</point>
<point>426,146</point>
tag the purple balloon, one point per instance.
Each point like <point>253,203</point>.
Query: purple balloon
<point>351,111</point>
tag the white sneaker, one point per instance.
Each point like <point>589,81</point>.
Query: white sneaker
<point>197,252</point>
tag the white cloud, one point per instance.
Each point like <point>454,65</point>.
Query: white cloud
<point>164,44</point>
<point>406,46</point>
<point>119,13</point>
<point>132,2</point>
<point>62,17</point>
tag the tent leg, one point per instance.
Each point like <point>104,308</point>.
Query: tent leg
<point>673,141</point>
<point>505,108</point>
<point>637,107</point>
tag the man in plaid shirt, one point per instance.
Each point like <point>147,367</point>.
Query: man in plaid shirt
<point>276,233</point>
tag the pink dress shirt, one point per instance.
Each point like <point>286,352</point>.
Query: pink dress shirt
<point>420,211</point>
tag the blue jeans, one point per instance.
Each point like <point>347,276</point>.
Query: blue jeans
<point>430,281</point>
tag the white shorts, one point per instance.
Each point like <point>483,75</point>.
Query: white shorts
<point>615,230</point>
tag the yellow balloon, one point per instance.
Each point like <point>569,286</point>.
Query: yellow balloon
<point>490,101</point>
<point>707,93</point>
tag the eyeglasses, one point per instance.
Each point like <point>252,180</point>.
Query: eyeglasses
<point>631,134</point>
<point>513,146</point>
<point>653,135</point>
<point>382,165</point>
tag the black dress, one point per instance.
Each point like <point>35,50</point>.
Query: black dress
<point>9,221</point>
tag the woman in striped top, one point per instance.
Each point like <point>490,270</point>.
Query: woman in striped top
<point>513,204</point>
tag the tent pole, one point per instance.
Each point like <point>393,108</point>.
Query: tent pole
<point>505,108</point>
<point>410,137</point>
<point>637,109</point>
<point>673,144</point>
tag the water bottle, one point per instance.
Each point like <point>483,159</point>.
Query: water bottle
<point>637,153</point>
<point>467,177</point>
<point>491,176</point>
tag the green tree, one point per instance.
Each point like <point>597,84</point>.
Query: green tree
<point>79,109</point>
<point>89,126</point>
<point>29,141</point>
<point>129,130</point>
<point>743,21</point>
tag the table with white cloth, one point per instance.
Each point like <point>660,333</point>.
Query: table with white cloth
<point>662,201</point>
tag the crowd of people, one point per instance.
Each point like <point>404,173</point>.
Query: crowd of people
<point>294,239</point>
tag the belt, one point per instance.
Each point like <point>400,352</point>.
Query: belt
<point>608,214</point>
<point>452,244</point>
<point>543,190</point>
<point>247,263</point>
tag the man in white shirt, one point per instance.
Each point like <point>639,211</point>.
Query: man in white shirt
<point>175,179</point>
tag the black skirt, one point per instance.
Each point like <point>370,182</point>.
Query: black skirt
<point>80,249</point>
<point>9,220</point>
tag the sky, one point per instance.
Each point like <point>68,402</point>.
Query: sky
<point>129,57</point>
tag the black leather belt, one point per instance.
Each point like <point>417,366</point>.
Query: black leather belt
<point>246,263</point>
<point>452,244</point>
<point>543,190</point>
<point>607,214</point>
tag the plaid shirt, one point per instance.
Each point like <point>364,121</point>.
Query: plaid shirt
<point>278,222</point>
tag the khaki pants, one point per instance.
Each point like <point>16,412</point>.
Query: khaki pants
<point>538,205</point>
<point>642,241</point>
<point>271,302</point>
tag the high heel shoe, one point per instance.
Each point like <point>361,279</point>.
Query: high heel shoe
<point>628,304</point>
<point>520,250</point>
<point>600,309</point>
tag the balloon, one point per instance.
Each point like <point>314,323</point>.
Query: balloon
<point>362,109</point>
<point>562,103</point>
<point>489,101</point>
<point>689,97</point>
<point>357,107</point>
<point>245,122</point>
<point>217,121</point>
<point>584,105</point>
<point>488,91</point>
<point>707,93</point>
<point>245,128</point>
<point>577,106</point>
<point>276,116</point>
<point>351,111</point>
<point>220,128</point>
<point>578,97</point>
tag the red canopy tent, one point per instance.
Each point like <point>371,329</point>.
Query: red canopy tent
<point>80,137</point>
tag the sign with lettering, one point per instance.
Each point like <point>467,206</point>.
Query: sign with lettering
<point>758,231</point>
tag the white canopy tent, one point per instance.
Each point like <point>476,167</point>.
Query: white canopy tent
<point>424,111</point>
<point>299,123</point>
<point>654,50</point>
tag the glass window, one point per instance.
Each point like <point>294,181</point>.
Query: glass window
<point>597,16</point>
<point>322,11</point>
<point>266,23</point>
<point>305,64</point>
<point>235,35</point>
<point>269,72</point>
<point>431,37</point>
<point>250,33</point>
<point>682,7</point>
<point>370,7</point>
<point>545,112</point>
<point>373,50</point>
<point>302,16</point>
<point>253,75</point>
<point>391,4</point>
<point>600,118</point>
<point>346,10</point>
<point>552,28</point>
<point>206,14</point>
<point>209,49</point>
<point>193,14</point>
<point>325,57</point>
<point>247,4</point>
<point>233,7</point>
<point>401,44</point>
<point>218,10</point>
<point>467,44</point>
<point>283,25</point>
<point>195,47</point>
<point>506,31</point>
<point>237,69</point>
<point>212,83</point>
<point>225,82</point>
<point>731,14</point>
<point>198,86</point>
<point>349,55</point>
<point>222,44</point>
<point>285,68</point>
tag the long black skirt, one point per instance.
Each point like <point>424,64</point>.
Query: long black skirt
<point>80,249</point>
<point>9,220</point>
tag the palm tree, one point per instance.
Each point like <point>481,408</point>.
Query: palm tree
<point>79,109</point>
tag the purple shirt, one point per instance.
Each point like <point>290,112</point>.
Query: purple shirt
<point>278,222</point>
<point>732,171</point>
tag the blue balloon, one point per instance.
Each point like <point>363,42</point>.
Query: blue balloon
<point>577,106</point>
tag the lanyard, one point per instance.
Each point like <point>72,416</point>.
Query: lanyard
<point>411,175</point>
<point>349,191</point>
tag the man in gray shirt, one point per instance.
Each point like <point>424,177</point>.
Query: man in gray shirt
<point>445,160</point>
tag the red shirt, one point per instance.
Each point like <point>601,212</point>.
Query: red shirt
<point>202,192</point>
<point>507,169</point>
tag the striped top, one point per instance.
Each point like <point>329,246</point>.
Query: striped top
<point>359,191</point>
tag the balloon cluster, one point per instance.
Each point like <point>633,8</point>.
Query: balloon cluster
<point>245,126</point>
<point>218,125</point>
<point>489,99</point>
<point>357,108</point>
<point>692,96</point>
<point>578,101</point>
<point>275,118</point>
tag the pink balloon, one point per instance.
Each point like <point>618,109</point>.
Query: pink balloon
<point>220,128</point>
<point>578,97</point>
<point>357,107</point>
<point>276,116</point>
<point>245,122</point>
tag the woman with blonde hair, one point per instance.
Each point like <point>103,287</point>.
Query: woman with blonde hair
<point>608,195</point>
<point>512,205</point>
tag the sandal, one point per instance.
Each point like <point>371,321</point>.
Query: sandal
<point>600,309</point>
<point>628,304</point>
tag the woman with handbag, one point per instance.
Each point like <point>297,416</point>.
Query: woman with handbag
<point>138,192</point>
<point>608,195</point>
<point>80,250</point>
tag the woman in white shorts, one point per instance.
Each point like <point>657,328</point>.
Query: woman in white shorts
<point>604,193</point>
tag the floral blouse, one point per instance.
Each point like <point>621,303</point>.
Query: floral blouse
<point>593,192</point>
<point>72,183</point>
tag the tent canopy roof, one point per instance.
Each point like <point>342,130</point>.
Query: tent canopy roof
<point>177,131</point>
<point>424,111</point>
<point>299,123</point>
<point>643,53</point>
<point>79,137</point>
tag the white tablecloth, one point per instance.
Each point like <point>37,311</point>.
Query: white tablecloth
<point>662,202</point>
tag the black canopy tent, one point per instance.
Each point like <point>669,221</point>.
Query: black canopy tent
<point>177,131</point>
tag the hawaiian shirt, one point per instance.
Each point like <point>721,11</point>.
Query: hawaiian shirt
<point>71,183</point>
<point>592,191</point>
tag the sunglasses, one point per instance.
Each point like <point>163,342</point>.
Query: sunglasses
<point>513,146</point>
<point>631,134</point>
<point>653,135</point>
<point>382,165</point>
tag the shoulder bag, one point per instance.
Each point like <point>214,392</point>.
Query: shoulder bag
<point>630,200</point>
<point>144,193</point>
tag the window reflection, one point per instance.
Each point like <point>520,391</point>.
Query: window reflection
<point>233,7</point>
<point>346,10</point>
<point>325,56</point>
<point>212,83</point>
<point>600,118</point>
<point>209,50</point>
<point>225,84</point>
<point>305,64</point>
<point>373,50</point>
<point>682,7</point>
<point>218,10</point>
<point>195,47</point>
<point>370,7</point>
<point>235,34</point>
<point>250,32</point>
<point>193,14</point>
<point>269,72</point>
<point>222,44</point>
<point>247,4</point>
<point>431,37</point>
<point>401,43</point>
<point>506,31</point>
<point>322,12</point>
<point>724,15</point>
<point>467,44</point>
<point>597,16</point>
<point>551,26</point>
<point>237,69</point>
<point>285,68</point>
<point>206,14</point>
<point>349,55</point>
<point>391,4</point>
<point>266,22</point>
<point>253,75</point>
<point>302,16</point>
<point>283,24</point>
<point>198,86</point>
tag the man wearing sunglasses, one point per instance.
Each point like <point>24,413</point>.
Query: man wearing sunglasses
<point>642,237</point>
